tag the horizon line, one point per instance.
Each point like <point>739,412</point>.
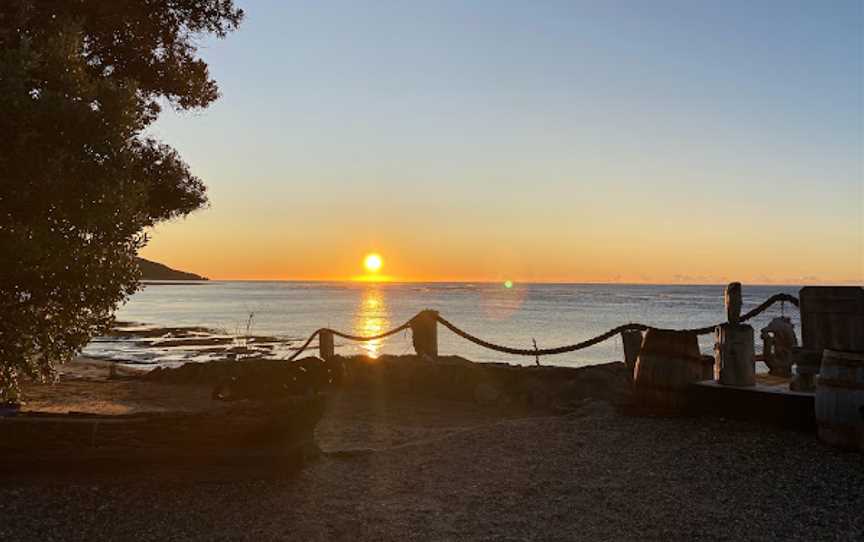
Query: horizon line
<point>518,282</point>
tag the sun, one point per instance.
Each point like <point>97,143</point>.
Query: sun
<point>373,263</point>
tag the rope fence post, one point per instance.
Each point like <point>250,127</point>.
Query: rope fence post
<point>326,349</point>
<point>734,354</point>
<point>424,331</point>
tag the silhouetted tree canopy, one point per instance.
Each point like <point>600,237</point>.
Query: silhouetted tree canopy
<point>79,82</point>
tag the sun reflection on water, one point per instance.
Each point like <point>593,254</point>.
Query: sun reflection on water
<point>372,318</point>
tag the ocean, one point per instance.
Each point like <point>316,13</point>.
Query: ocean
<point>174,322</point>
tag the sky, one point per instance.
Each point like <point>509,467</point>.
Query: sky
<point>574,141</point>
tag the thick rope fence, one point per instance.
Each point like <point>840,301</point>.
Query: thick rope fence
<point>777,298</point>
<point>355,338</point>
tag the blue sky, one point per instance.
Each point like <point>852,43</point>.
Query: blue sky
<point>637,141</point>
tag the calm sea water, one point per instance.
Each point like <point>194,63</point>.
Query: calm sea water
<point>551,314</point>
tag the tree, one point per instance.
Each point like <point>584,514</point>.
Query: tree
<point>80,80</point>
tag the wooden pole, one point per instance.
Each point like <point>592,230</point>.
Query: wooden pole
<point>733,302</point>
<point>632,341</point>
<point>424,331</point>
<point>734,354</point>
<point>734,351</point>
<point>326,349</point>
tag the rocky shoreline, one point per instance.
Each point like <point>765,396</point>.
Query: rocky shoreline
<point>448,378</point>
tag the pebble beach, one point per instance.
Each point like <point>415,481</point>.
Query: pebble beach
<point>427,469</point>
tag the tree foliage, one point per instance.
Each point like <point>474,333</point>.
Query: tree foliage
<point>80,80</point>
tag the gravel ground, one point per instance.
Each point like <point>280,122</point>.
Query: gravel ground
<point>437,470</point>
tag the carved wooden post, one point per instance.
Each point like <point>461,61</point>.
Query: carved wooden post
<point>424,331</point>
<point>778,340</point>
<point>733,302</point>
<point>326,348</point>
<point>734,351</point>
<point>632,341</point>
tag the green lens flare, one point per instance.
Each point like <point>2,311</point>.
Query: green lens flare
<point>508,284</point>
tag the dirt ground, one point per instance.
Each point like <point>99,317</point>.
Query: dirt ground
<point>87,385</point>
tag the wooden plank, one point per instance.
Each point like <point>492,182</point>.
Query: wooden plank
<point>760,403</point>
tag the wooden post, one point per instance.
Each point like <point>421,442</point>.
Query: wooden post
<point>632,341</point>
<point>326,349</point>
<point>734,355</point>
<point>424,331</point>
<point>733,302</point>
<point>734,351</point>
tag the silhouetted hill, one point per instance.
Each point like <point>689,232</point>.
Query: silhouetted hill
<point>157,271</point>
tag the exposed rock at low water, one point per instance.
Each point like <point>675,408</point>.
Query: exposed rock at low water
<point>455,378</point>
<point>449,377</point>
<point>254,378</point>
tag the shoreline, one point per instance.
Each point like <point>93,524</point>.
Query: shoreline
<point>552,315</point>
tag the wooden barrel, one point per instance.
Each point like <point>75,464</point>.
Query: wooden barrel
<point>832,317</point>
<point>669,361</point>
<point>840,399</point>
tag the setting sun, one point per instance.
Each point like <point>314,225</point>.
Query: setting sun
<point>372,263</point>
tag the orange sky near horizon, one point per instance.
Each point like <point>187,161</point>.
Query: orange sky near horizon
<point>250,250</point>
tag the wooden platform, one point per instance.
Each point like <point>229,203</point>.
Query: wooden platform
<point>769,401</point>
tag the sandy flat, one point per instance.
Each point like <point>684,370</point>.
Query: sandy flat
<point>87,385</point>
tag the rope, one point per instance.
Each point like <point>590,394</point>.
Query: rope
<point>770,301</point>
<point>303,348</point>
<point>356,338</point>
<point>545,351</point>
<point>611,333</point>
